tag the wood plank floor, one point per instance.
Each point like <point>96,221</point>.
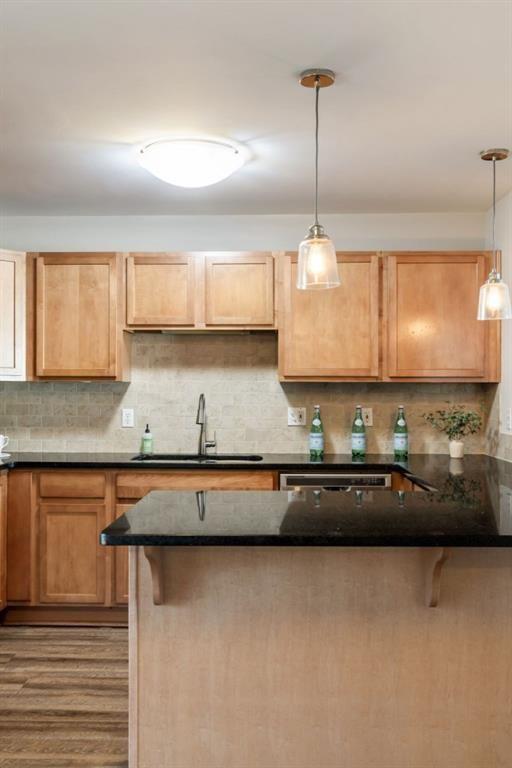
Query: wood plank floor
<point>63,697</point>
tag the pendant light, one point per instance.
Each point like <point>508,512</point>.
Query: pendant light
<point>494,301</point>
<point>317,267</point>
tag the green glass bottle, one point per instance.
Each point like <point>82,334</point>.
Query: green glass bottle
<point>316,436</point>
<point>358,436</point>
<point>401,436</point>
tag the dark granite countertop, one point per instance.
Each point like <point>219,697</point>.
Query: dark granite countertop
<point>427,469</point>
<point>466,503</point>
<point>125,461</point>
<point>461,515</point>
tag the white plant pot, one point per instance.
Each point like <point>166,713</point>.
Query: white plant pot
<point>456,467</point>
<point>456,449</point>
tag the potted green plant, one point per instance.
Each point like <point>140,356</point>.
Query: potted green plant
<point>456,422</point>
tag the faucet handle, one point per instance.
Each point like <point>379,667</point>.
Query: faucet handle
<point>208,443</point>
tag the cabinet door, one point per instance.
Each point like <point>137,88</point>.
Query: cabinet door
<point>121,558</point>
<point>21,538</point>
<point>431,302</point>
<point>76,315</point>
<point>331,334</point>
<point>239,289</point>
<point>160,289</point>
<point>3,540</point>
<point>72,563</point>
<point>12,315</point>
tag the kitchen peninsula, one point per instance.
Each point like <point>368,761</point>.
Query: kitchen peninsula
<point>297,628</point>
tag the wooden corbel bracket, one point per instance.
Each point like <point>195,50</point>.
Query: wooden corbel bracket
<point>155,559</point>
<point>437,557</point>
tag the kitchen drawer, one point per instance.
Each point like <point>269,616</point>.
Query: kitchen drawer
<point>68,484</point>
<point>135,485</point>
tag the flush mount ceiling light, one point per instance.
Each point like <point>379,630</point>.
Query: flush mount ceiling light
<point>192,162</point>
<point>494,300</point>
<point>317,267</point>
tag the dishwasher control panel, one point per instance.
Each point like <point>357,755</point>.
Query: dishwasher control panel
<point>335,481</point>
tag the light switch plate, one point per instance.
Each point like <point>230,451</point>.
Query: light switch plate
<point>127,417</point>
<point>368,417</point>
<point>296,417</point>
<point>508,420</point>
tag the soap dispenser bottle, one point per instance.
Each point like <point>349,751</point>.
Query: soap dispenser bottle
<point>147,441</point>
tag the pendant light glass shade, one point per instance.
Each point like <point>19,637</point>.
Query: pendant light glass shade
<point>317,267</point>
<point>494,300</point>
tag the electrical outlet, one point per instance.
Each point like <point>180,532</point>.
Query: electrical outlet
<point>296,417</point>
<point>127,417</point>
<point>508,420</point>
<point>368,417</point>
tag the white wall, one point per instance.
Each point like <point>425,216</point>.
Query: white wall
<point>421,231</point>
<point>504,243</point>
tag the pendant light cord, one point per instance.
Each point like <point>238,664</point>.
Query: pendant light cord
<point>494,259</point>
<point>317,91</point>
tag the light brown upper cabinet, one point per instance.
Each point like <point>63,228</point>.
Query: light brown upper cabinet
<point>200,290</point>
<point>160,289</point>
<point>430,326</point>
<point>332,334</point>
<point>79,313</point>
<point>13,319</point>
<point>239,289</point>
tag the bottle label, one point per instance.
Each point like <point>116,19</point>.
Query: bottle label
<point>358,442</point>
<point>358,422</point>
<point>401,422</point>
<point>316,422</point>
<point>400,442</point>
<point>316,442</point>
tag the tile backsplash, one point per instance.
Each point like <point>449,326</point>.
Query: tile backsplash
<point>498,443</point>
<point>246,404</point>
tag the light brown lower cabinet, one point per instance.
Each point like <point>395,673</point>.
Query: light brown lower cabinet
<point>54,559</point>
<point>3,540</point>
<point>120,555</point>
<point>72,567</point>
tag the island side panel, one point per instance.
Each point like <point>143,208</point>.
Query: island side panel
<point>133,656</point>
<point>301,657</point>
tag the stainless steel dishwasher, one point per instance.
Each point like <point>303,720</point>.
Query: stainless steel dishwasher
<point>335,481</point>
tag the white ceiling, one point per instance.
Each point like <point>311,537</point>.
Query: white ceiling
<point>421,88</point>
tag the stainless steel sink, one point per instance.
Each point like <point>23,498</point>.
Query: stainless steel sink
<point>196,457</point>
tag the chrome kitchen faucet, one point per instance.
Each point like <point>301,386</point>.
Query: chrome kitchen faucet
<point>201,420</point>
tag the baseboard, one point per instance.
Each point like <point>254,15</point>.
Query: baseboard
<point>65,616</point>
